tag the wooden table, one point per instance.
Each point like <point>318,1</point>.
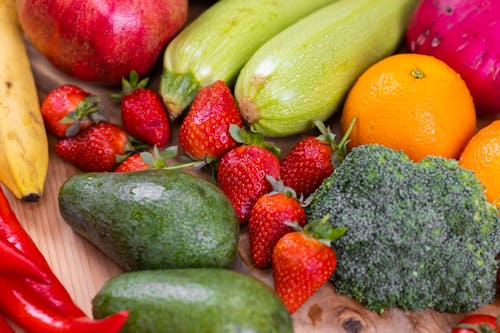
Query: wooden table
<point>83,269</point>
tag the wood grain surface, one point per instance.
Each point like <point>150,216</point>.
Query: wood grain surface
<point>83,269</point>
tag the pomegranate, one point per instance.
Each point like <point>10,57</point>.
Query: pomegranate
<point>101,40</point>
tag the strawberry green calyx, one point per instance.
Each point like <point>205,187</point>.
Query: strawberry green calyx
<point>88,108</point>
<point>178,91</point>
<point>157,159</point>
<point>321,229</point>
<point>280,187</point>
<point>243,136</point>
<point>131,84</point>
<point>132,146</point>
<point>339,150</point>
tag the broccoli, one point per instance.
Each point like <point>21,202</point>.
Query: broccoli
<point>419,235</point>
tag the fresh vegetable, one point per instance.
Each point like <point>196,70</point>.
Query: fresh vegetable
<point>31,295</point>
<point>418,234</point>
<point>305,71</point>
<point>101,40</point>
<point>477,323</point>
<point>241,172</point>
<point>193,301</point>
<point>5,327</point>
<point>303,261</point>
<point>312,159</point>
<point>96,148</point>
<point>218,43</point>
<point>68,109</point>
<point>464,34</point>
<point>269,219</point>
<point>16,264</point>
<point>152,218</point>
<point>143,114</point>
<point>204,132</point>
<point>24,151</point>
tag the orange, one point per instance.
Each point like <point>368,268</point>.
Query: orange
<point>411,102</point>
<point>482,155</point>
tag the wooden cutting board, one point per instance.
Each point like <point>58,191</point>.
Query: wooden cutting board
<point>83,269</point>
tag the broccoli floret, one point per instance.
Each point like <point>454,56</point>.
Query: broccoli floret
<point>419,235</point>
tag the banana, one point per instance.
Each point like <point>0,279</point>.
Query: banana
<point>24,152</point>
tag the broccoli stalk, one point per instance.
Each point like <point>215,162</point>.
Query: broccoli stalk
<point>419,235</point>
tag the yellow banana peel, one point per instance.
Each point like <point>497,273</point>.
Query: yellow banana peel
<point>24,152</point>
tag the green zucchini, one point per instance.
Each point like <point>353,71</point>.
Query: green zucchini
<point>304,72</point>
<point>218,43</point>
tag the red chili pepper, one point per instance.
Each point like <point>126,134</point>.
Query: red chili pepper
<point>5,327</point>
<point>13,262</point>
<point>31,294</point>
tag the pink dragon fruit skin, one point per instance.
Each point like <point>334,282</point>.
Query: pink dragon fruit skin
<point>466,35</point>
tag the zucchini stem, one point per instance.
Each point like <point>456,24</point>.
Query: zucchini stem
<point>249,110</point>
<point>178,91</point>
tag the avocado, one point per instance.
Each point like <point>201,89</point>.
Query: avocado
<point>152,219</point>
<point>192,300</point>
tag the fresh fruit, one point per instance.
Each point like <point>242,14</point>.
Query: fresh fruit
<point>24,150</point>
<point>193,300</point>
<point>142,111</point>
<point>5,327</point>
<point>303,261</point>
<point>152,219</point>
<point>304,72</point>
<point>241,172</point>
<point>464,34</point>
<point>482,155</point>
<point>204,132</point>
<point>101,40</point>
<point>68,109</point>
<point>133,162</point>
<point>411,102</point>
<point>218,43</point>
<point>269,219</point>
<point>477,323</point>
<point>154,159</point>
<point>312,159</point>
<point>96,148</point>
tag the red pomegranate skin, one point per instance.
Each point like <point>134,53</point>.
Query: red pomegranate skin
<point>101,40</point>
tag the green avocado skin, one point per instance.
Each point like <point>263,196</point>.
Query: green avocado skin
<point>152,219</point>
<point>196,300</point>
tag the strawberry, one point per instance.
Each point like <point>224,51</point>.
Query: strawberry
<point>68,109</point>
<point>312,159</point>
<point>133,162</point>
<point>96,148</point>
<point>303,261</point>
<point>143,113</point>
<point>268,221</point>
<point>204,132</point>
<point>241,172</point>
<point>153,160</point>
